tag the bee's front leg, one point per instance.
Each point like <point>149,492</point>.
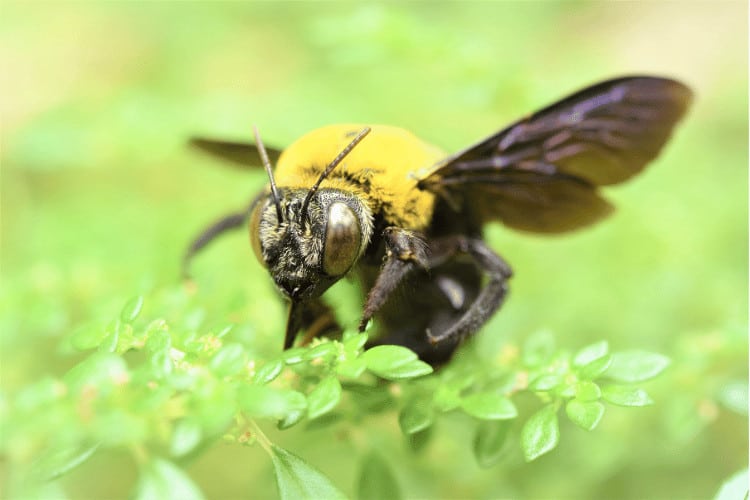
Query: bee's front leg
<point>405,252</point>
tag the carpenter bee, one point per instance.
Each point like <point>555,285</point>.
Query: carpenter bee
<point>377,202</point>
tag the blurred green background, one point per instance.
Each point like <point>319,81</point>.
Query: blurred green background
<point>100,197</point>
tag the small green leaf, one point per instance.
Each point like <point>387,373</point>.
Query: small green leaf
<point>636,366</point>
<point>132,309</point>
<point>489,406</point>
<point>489,442</point>
<point>224,331</point>
<point>733,395</point>
<point>161,364</point>
<point>355,342</point>
<point>297,480</point>
<point>110,343</point>
<point>264,401</point>
<point>595,368</point>
<point>57,462</point>
<point>186,435</point>
<point>376,480</point>
<point>99,370</point>
<point>734,488</point>
<point>88,337</point>
<point>158,339</point>
<point>161,479</point>
<point>416,416</point>
<point>268,372</point>
<point>587,391</point>
<point>585,414</point>
<point>291,419</point>
<point>324,397</point>
<point>545,382</point>
<point>447,397</point>
<point>294,355</point>
<point>385,358</point>
<point>540,433</point>
<point>590,353</point>
<point>412,369</point>
<point>351,368</point>
<point>229,360</point>
<point>321,351</point>
<point>626,396</point>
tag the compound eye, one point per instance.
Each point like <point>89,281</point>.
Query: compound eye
<point>343,239</point>
<point>254,227</point>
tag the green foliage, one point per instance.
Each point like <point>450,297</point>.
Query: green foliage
<point>167,392</point>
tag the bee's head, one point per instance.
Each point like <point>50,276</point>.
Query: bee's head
<point>315,242</point>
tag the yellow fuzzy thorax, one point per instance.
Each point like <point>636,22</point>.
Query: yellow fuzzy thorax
<point>382,169</point>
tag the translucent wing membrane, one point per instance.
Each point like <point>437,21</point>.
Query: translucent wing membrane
<point>540,174</point>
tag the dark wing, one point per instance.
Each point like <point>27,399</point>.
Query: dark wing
<point>541,173</point>
<point>240,153</point>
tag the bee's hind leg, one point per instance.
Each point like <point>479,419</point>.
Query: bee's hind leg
<point>492,294</point>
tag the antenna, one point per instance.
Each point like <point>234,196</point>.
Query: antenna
<point>267,165</point>
<point>348,149</point>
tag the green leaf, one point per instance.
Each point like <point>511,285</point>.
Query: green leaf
<point>158,339</point>
<point>447,397</point>
<point>229,360</point>
<point>540,433</point>
<point>376,480</point>
<point>294,355</point>
<point>411,369</point>
<point>626,396</point>
<point>416,416</point>
<point>100,370</point>
<point>291,419</point>
<point>585,414</point>
<point>545,382</point>
<point>321,351</point>
<point>595,368</point>
<point>734,488</point>
<point>489,441</point>
<point>384,358</point>
<point>351,368</point>
<point>587,391</point>
<point>636,366</point>
<point>590,353</point>
<point>88,337</point>
<point>186,435</point>
<point>161,479</point>
<point>297,480</point>
<point>109,344</point>
<point>264,401</point>
<point>161,363</point>
<point>489,406</point>
<point>57,462</point>
<point>355,342</point>
<point>733,395</point>
<point>324,397</point>
<point>132,309</point>
<point>268,372</point>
